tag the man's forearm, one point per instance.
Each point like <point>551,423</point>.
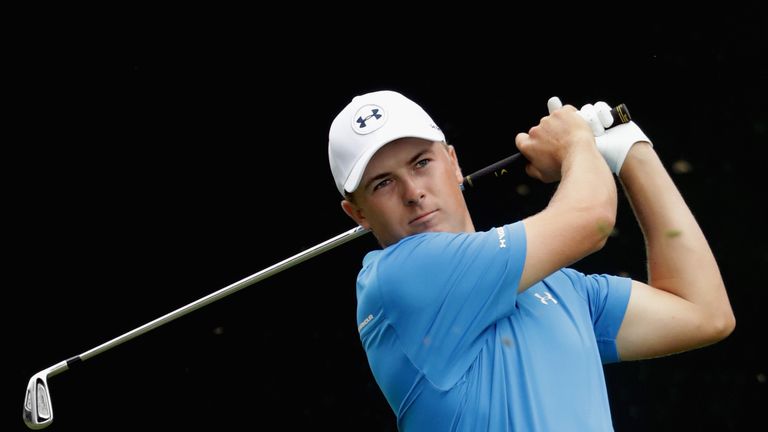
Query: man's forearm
<point>680,260</point>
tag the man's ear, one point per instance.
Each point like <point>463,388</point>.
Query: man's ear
<point>355,213</point>
<point>455,160</point>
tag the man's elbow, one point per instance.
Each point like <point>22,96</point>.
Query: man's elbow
<point>721,325</point>
<point>725,325</point>
<point>726,320</point>
<point>603,228</point>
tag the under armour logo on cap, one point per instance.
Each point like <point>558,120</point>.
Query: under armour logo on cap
<point>374,113</point>
<point>368,119</point>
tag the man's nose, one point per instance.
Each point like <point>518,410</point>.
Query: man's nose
<point>412,191</point>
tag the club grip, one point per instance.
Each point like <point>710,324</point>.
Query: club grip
<point>497,169</point>
<point>619,113</point>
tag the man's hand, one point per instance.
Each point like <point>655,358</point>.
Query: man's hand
<point>613,143</point>
<point>549,144</point>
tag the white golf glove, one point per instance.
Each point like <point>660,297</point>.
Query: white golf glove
<point>613,143</point>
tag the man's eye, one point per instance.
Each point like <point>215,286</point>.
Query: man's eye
<point>422,163</point>
<point>381,184</point>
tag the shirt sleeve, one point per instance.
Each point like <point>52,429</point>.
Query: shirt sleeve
<point>607,297</point>
<point>444,290</point>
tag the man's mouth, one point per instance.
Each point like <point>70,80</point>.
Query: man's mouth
<point>423,217</point>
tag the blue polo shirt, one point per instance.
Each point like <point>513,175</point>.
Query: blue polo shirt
<point>454,347</point>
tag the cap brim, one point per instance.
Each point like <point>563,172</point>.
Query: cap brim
<point>356,174</point>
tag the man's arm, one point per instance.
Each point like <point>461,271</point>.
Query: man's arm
<point>684,305</point>
<point>582,212</point>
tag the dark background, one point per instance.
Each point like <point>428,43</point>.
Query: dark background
<point>158,158</point>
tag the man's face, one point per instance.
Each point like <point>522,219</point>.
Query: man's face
<point>410,186</point>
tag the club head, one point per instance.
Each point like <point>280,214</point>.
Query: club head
<point>38,412</point>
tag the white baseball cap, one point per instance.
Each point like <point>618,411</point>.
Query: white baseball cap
<point>368,123</point>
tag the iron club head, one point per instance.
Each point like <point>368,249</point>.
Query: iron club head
<point>38,412</point>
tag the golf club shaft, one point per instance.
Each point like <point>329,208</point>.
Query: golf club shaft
<point>250,280</point>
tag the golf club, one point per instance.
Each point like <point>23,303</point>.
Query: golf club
<point>38,410</point>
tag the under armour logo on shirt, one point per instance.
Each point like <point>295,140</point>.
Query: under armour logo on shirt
<point>502,240</point>
<point>545,297</point>
<point>365,322</point>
